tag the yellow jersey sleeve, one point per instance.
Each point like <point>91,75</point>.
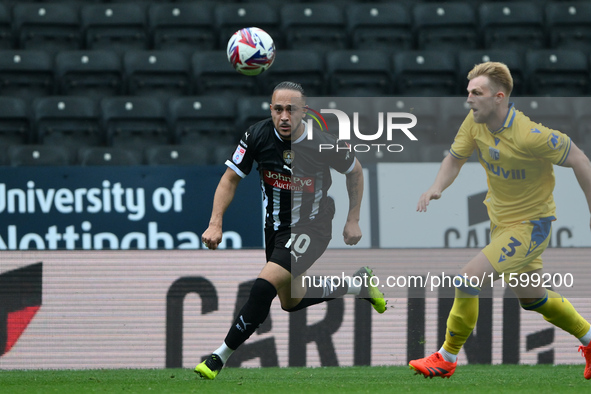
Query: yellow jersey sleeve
<point>464,143</point>
<point>545,143</point>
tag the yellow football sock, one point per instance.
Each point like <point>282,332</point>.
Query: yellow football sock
<point>461,321</point>
<point>560,312</point>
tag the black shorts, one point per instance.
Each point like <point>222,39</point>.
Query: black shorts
<point>295,249</point>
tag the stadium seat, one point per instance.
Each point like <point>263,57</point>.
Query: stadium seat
<point>557,72</point>
<point>185,27</point>
<point>6,38</point>
<point>512,58</point>
<point>581,131</point>
<point>453,112</point>
<point>232,17</point>
<point>349,105</point>
<point>357,72</point>
<point>445,26</point>
<point>221,153</point>
<point>382,26</point>
<point>50,27</point>
<point>201,120</point>
<point>117,27</point>
<point>427,111</point>
<point>304,67</point>
<point>512,25</point>
<point>93,73</point>
<point>134,122</point>
<point>26,73</point>
<point>251,110</point>
<point>108,156</point>
<point>212,74</point>
<point>15,122</point>
<point>177,155</point>
<point>569,24</point>
<point>552,112</point>
<point>314,26</point>
<point>70,121</point>
<point>157,73</point>
<point>38,155</point>
<point>425,73</point>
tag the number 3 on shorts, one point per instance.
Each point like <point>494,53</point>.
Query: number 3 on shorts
<point>300,242</point>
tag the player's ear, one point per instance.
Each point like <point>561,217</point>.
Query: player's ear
<point>304,110</point>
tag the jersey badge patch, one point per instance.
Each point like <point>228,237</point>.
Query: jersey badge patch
<point>238,155</point>
<point>555,142</point>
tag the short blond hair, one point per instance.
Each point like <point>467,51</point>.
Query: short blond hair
<point>497,73</point>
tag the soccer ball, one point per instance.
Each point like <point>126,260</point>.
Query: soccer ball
<point>251,51</point>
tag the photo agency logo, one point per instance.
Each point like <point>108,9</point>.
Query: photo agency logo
<point>361,135</point>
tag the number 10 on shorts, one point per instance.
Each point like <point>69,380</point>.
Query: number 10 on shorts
<point>300,242</point>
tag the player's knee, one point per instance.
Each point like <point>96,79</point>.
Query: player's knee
<point>262,292</point>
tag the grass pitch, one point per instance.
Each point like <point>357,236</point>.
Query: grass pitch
<point>467,379</point>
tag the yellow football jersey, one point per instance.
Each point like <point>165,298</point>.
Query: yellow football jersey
<point>518,160</point>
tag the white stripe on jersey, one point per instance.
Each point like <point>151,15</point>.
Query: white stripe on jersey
<point>296,208</point>
<point>236,169</point>
<point>276,206</point>
<point>265,199</point>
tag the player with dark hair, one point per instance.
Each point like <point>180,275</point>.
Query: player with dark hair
<point>518,156</point>
<point>295,179</point>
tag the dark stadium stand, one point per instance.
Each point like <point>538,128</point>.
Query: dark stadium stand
<point>358,72</point>
<point>185,27</point>
<point>51,27</point>
<point>202,120</point>
<point>445,26</point>
<point>162,73</point>
<point>94,73</point>
<point>15,122</point>
<point>69,121</point>
<point>234,16</point>
<point>26,73</point>
<point>134,122</point>
<point>385,26</point>
<point>557,72</point>
<point>115,26</point>
<point>68,68</point>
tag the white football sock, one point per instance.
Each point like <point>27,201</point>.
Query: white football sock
<point>447,356</point>
<point>585,339</point>
<point>224,352</point>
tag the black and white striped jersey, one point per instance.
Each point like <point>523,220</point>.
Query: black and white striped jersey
<point>295,176</point>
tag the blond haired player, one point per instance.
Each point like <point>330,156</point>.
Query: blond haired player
<point>518,156</point>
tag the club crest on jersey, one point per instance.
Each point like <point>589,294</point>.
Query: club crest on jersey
<point>288,156</point>
<point>555,142</point>
<point>494,153</point>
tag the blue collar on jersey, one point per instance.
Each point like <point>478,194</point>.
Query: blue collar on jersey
<point>508,120</point>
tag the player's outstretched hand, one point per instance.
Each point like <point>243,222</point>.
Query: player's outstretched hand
<point>429,195</point>
<point>352,233</point>
<point>212,237</point>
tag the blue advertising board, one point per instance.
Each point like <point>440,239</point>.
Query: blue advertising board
<point>135,207</point>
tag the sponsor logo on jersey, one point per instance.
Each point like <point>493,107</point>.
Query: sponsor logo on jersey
<point>289,182</point>
<point>238,155</point>
<point>494,153</point>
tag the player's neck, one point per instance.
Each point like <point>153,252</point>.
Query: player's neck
<point>499,119</point>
